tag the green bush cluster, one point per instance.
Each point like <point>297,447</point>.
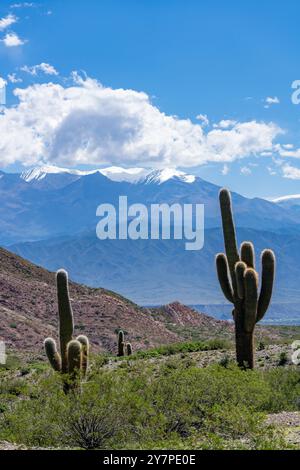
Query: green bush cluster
<point>151,405</point>
<point>177,348</point>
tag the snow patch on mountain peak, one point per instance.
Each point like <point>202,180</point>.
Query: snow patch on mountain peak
<point>114,173</point>
<point>285,198</point>
<point>161,176</point>
<point>129,175</point>
<point>41,172</point>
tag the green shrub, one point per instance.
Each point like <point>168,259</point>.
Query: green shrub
<point>150,405</point>
<point>283,359</point>
<point>225,361</point>
<point>177,348</point>
<point>285,386</point>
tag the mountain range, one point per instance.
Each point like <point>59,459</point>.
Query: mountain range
<point>28,313</point>
<point>48,216</point>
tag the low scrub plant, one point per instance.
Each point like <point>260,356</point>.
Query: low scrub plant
<point>150,404</point>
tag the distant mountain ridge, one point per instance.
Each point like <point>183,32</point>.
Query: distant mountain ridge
<point>49,217</point>
<point>28,313</point>
<point>290,202</point>
<point>114,173</point>
<point>43,203</point>
<point>153,272</point>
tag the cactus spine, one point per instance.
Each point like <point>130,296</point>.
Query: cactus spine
<point>240,285</point>
<point>73,356</point>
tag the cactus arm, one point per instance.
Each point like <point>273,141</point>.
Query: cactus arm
<point>251,299</point>
<point>52,354</point>
<point>247,254</point>
<point>240,269</point>
<point>74,356</point>
<point>268,274</point>
<point>129,349</point>
<point>222,270</point>
<point>230,242</point>
<point>85,348</point>
<point>66,323</point>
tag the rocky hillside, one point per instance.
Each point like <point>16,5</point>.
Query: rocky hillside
<point>28,313</point>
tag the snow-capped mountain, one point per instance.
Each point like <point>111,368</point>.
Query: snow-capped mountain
<point>48,215</point>
<point>114,173</point>
<point>50,201</point>
<point>289,201</point>
<point>161,176</point>
<point>39,173</point>
<point>129,175</point>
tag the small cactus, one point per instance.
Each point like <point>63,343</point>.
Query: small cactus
<point>73,356</point>
<point>239,282</point>
<point>123,347</point>
<point>129,349</point>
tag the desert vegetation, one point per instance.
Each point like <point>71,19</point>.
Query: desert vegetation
<point>145,403</point>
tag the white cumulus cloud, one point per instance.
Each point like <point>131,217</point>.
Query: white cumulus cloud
<point>203,118</point>
<point>12,40</point>
<point>225,170</point>
<point>43,67</point>
<point>290,172</point>
<point>23,5</point>
<point>2,82</point>
<point>246,171</point>
<point>90,124</point>
<point>271,100</point>
<point>288,151</point>
<point>225,124</point>
<point>7,21</point>
<point>12,78</point>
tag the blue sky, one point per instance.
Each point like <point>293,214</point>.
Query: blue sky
<point>233,63</point>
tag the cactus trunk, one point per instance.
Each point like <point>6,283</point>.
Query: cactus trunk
<point>244,344</point>
<point>66,324</point>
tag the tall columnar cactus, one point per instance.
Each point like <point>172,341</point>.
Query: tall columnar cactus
<point>73,356</point>
<point>123,347</point>
<point>240,285</point>
<point>121,344</point>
